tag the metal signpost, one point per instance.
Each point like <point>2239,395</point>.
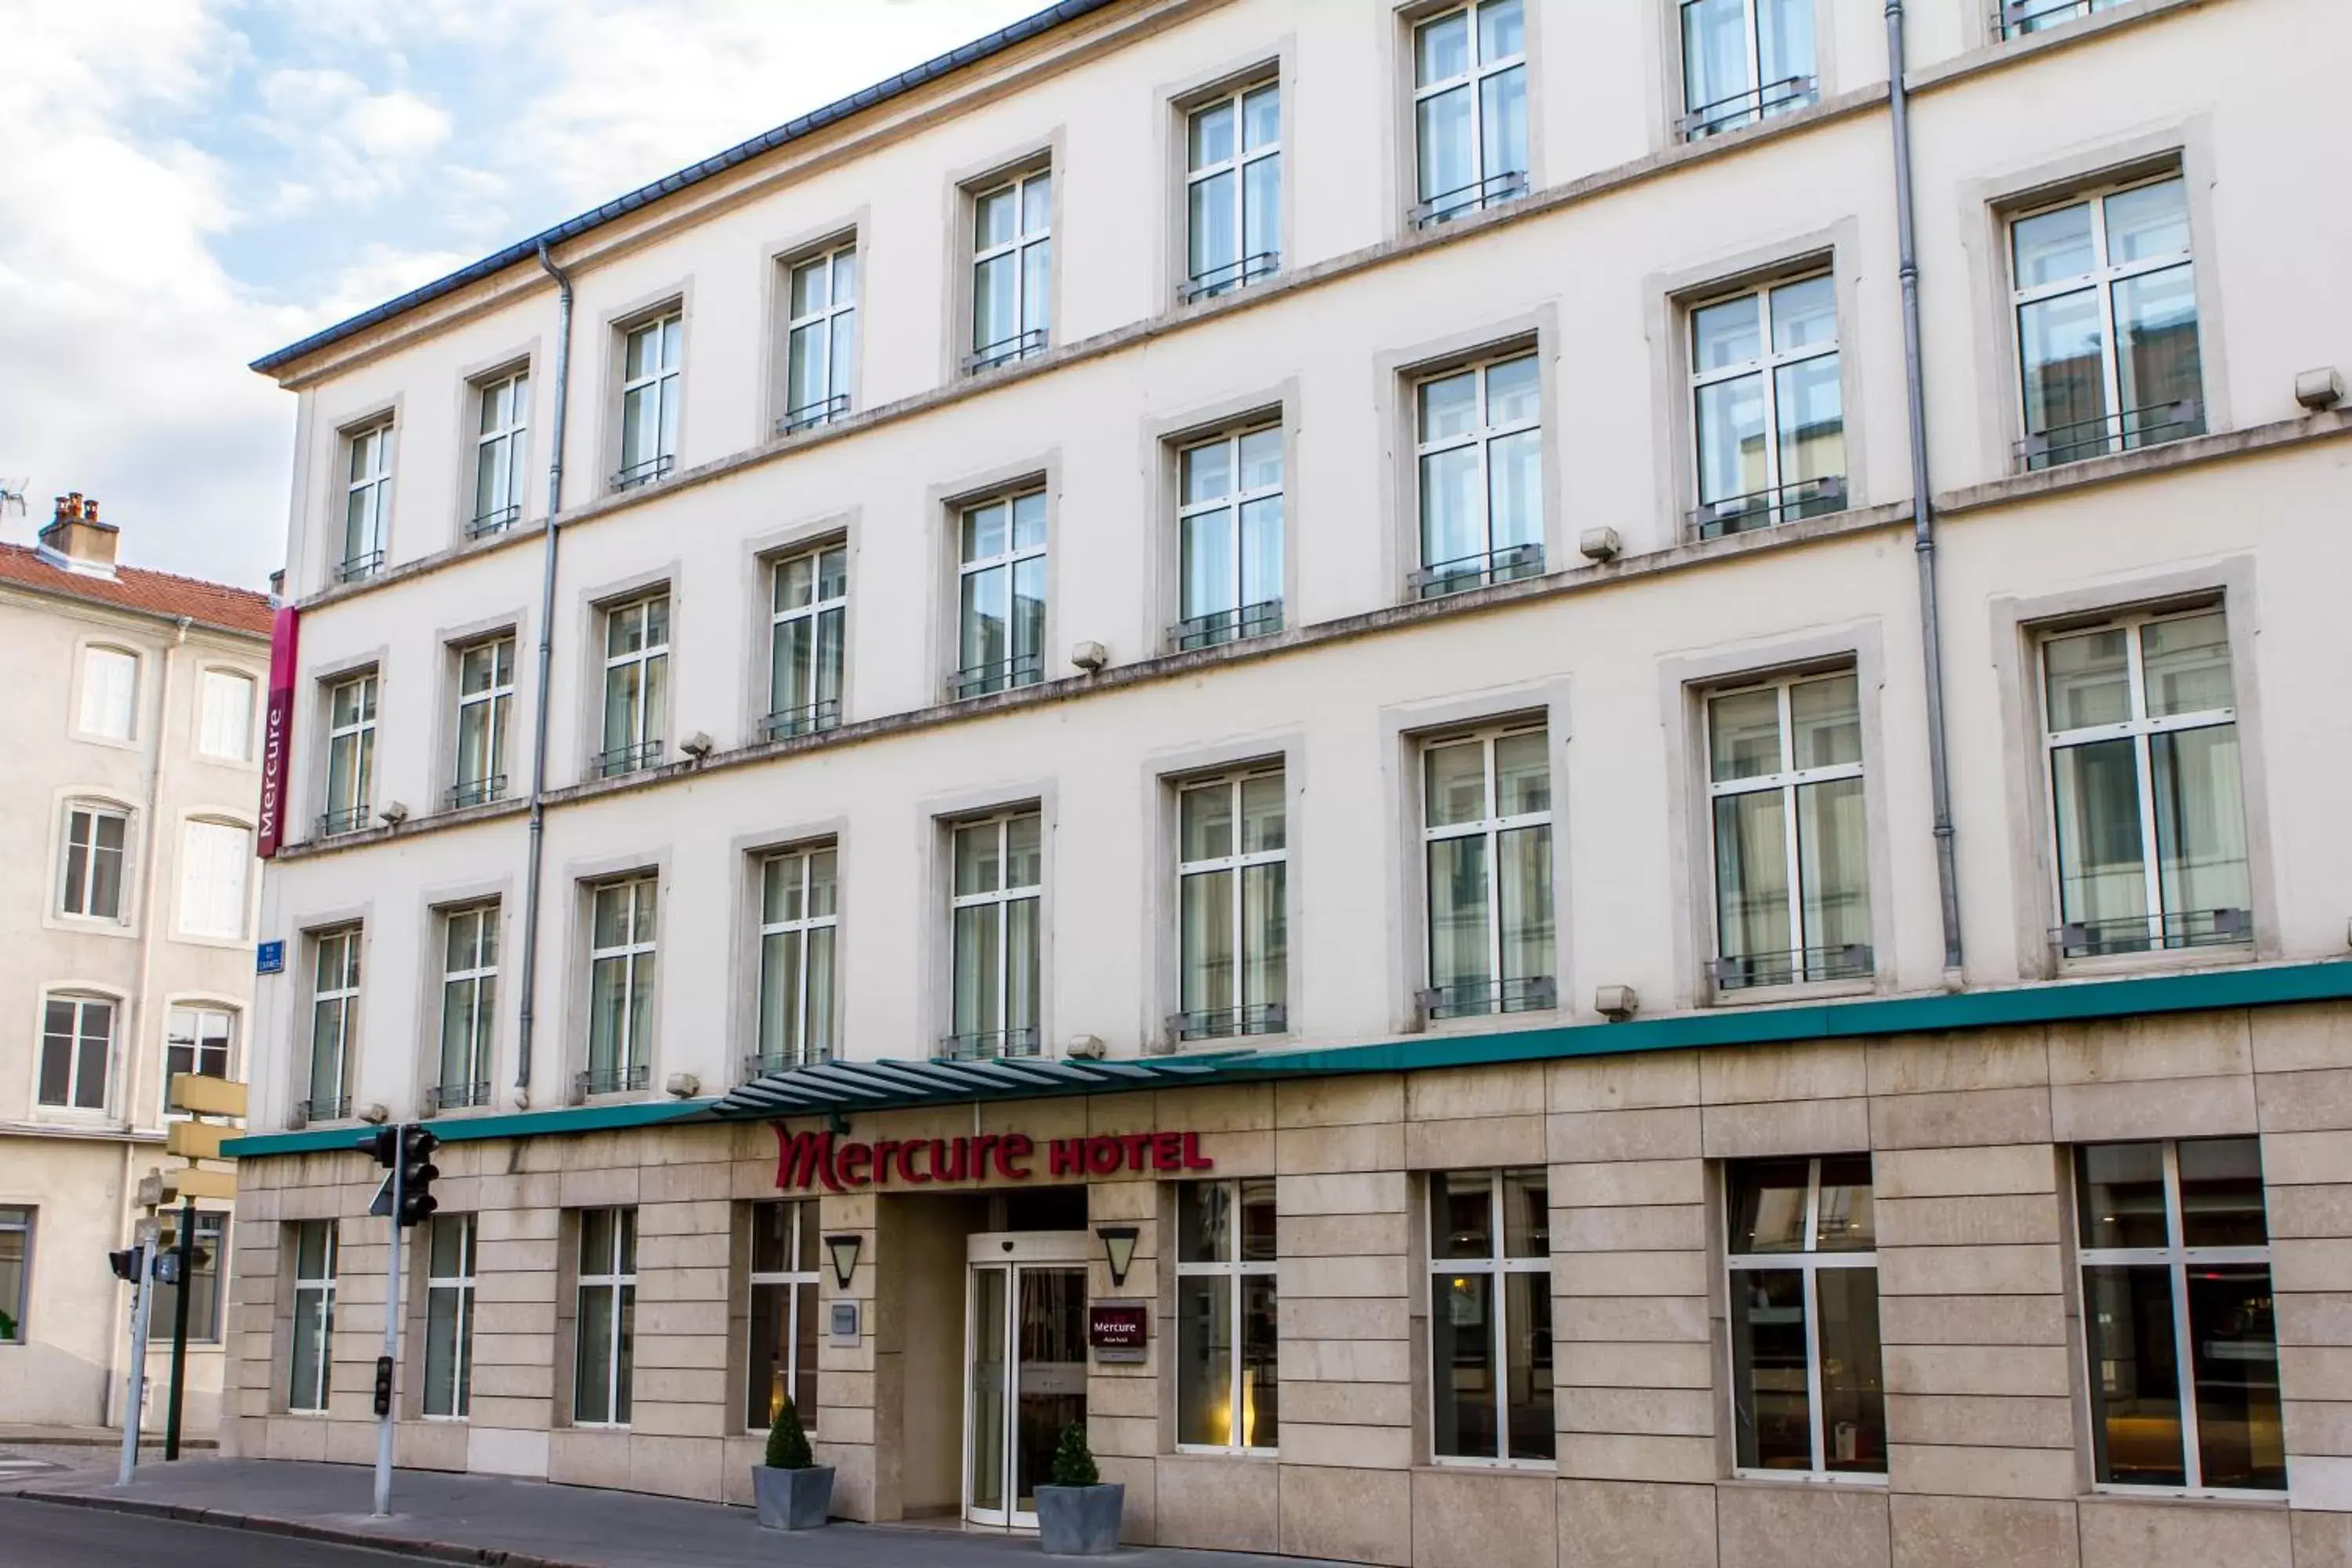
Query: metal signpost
<point>136,1265</point>
<point>405,1199</point>
<point>185,1258</point>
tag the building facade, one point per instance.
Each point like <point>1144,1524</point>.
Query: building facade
<point>1231,727</point>
<point>137,707</point>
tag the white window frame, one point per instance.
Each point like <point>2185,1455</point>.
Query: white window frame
<point>1249,267</point>
<point>460,1393</point>
<point>496,697</point>
<point>358,737</point>
<point>1492,564</point>
<point>643,747</point>
<point>472,987</point>
<point>822,326</point>
<point>1274,1017</point>
<point>1813,497</point>
<point>1761,100</point>
<point>804,1051</point>
<point>1027,341</point>
<point>340,1000</point>
<point>83,1005</point>
<point>801,1212</point>
<point>1004,895</point>
<point>1542,990</point>
<point>1235,1270</point>
<point>320,1314</point>
<point>2139,728</point>
<point>661,382</point>
<point>502,446</point>
<point>1432,207</point>
<point>631,1055</point>
<point>84,889</point>
<point>972,680</point>
<point>367,500</point>
<point>2176,1258</point>
<point>198,1043</point>
<point>233,704</point>
<point>805,713</point>
<point>619,1395</point>
<point>1497,1264</point>
<point>1245,619</point>
<point>18,1219</point>
<point>91,719</point>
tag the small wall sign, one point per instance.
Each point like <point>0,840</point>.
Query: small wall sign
<point>270,958</point>
<point>841,1324</point>
<point>1119,1330</point>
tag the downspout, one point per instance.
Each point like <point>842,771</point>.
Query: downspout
<point>546,662</point>
<point>1923,500</point>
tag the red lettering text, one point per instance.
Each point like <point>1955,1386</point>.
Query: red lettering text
<point>855,1158</point>
<point>1194,1159</point>
<point>1069,1156</point>
<point>1015,1146</point>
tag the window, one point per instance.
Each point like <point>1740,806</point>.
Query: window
<point>606,1323</point>
<point>1001,585</point>
<point>486,683</point>
<point>1807,1394</point>
<point>821,342</point>
<point>781,1364</point>
<point>367,503</point>
<point>16,1272</point>
<point>1000,873</point>
<point>1792,872</point>
<point>77,1038</point>
<point>1232,858</point>
<point>2017,17</point>
<point>1480,447</point>
<point>214,859</point>
<point>225,716</point>
<point>109,690</point>
<point>1744,61</point>
<point>2149,817</point>
<point>1233,191</point>
<point>1228,1382</point>
<point>1229,525</point>
<point>1767,408</point>
<point>334,1022</point>
<point>1486,829</point>
<point>314,1314</point>
<point>450,1317</point>
<point>796,936</point>
<point>2105,296</point>
<point>636,685</point>
<point>209,1249</point>
<point>470,1006</point>
<point>1470,109</point>
<point>1490,1315</point>
<point>501,453</point>
<point>620,986</point>
<point>2178,1317</point>
<point>199,1040</point>
<point>808,621</point>
<point>1012,270</point>
<point>649,393</point>
<point>351,754</point>
<point>93,869</point>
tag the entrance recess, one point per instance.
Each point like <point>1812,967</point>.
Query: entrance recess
<point>1025,1355</point>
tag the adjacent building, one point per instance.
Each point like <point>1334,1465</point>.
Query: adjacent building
<point>1236,718</point>
<point>135,703</point>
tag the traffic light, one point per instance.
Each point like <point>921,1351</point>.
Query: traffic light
<point>383,1145</point>
<point>416,1173</point>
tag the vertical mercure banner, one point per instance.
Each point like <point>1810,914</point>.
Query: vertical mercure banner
<point>278,731</point>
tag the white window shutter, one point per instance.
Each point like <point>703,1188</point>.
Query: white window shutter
<point>213,870</point>
<point>109,685</point>
<point>225,724</point>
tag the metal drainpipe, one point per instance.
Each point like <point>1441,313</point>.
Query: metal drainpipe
<point>1923,501</point>
<point>546,661</point>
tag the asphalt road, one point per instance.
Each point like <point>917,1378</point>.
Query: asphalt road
<point>45,1535</point>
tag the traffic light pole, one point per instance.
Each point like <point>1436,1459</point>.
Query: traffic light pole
<point>143,1295</point>
<point>187,1250</point>
<point>390,1338</point>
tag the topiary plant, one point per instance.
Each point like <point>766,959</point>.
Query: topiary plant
<point>1073,1462</point>
<point>788,1445</point>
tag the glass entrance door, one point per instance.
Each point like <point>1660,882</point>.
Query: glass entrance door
<point>1026,1351</point>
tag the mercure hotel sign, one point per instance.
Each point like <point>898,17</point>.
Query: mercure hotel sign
<point>808,1161</point>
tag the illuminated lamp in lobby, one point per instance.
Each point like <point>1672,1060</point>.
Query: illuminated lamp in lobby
<point>843,1249</point>
<point>1119,1247</point>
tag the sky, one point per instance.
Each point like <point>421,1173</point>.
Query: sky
<point>187,184</point>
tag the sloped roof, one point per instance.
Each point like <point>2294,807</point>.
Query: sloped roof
<point>213,604</point>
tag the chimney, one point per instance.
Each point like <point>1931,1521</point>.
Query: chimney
<point>77,541</point>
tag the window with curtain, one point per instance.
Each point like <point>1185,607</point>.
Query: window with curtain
<point>999,867</point>
<point>1486,839</point>
<point>450,1316</point>
<point>636,685</point>
<point>1001,595</point>
<point>367,502</point>
<point>797,921</point>
<point>501,453</point>
<point>605,1319</point>
<point>621,951</point>
<point>820,338</point>
<point>1480,461</point>
<point>311,1327</point>
<point>351,754</point>
<point>486,686</point>
<point>1229,526</point>
<point>334,1022</point>
<point>1233,190</point>
<point>1743,61</point>
<point>1470,109</point>
<point>469,1005</point>
<point>1232,915</point>
<point>649,399</point>
<point>1012,270</point>
<point>807,627</point>
<point>1768,414</point>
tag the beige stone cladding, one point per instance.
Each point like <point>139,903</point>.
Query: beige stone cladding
<point>1968,1133</point>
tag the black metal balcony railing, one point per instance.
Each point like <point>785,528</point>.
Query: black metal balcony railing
<point>356,567</point>
<point>2081,438</point>
<point>809,416</point>
<point>1744,108</point>
<point>1505,565</point>
<point>761,1064</point>
<point>644,473</point>
<point>1227,1023</point>
<point>634,758</point>
<point>814,719</point>
<point>1261,619</point>
<point>477,791</point>
<point>1005,351</point>
<point>987,1045</point>
<point>1475,998</point>
<point>999,675</point>
<point>489,522</point>
<point>2154,934</point>
<point>1233,275</point>
<point>457,1096</point>
<point>349,819</point>
<point>1477,196</point>
<point>615,1080</point>
<point>1764,508</point>
<point>2020,16</point>
<point>316,1108</point>
<point>1744,972</point>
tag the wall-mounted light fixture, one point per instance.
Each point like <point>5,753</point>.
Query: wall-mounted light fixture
<point>843,1249</point>
<point>1118,1246</point>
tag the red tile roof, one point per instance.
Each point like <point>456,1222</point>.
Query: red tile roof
<point>142,592</point>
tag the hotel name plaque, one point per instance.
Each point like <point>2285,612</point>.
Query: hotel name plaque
<point>806,1161</point>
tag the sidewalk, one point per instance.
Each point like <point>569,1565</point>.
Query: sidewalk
<point>20,1434</point>
<point>531,1524</point>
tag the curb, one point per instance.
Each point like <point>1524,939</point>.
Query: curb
<point>403,1546</point>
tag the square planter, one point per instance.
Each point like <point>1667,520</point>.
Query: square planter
<point>1079,1521</point>
<point>792,1500</point>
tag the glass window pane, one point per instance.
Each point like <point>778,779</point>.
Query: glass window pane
<point>1826,717</point>
<point>1262,813</point>
<point>2135,1376</point>
<point>2119,1195</point>
<point>2087,678</point>
<point>1784,46</point>
<point>768,1369</point>
<point>1036,286</point>
<point>1447,166</point>
<point>1527,1367</point>
<point>1206,472</point>
<point>1515,489</point>
<point>1442,49</point>
<point>1522,773</point>
<point>2233,1337</point>
<point>1513,392</point>
<point>1462,1366</point>
<point>2060,346</point>
<point>1206,821</point>
<point>1209,136</point>
<point>2186,664</point>
<point>1832,865</point>
<point>1204,1222</point>
<point>976,867</point>
<point>1029,521</point>
<point>1771,1409</point>
<point>1461,1214</point>
<point>1502,30</point>
<point>1257,1229</point>
<point>994,217</point>
<point>1527,1214</point>
<point>593,1386</point>
<point>1523,873</point>
<point>1503,128</point>
<point>2102,871</point>
<point>986,533</point>
<point>1208,565</point>
<point>1453,518</point>
<point>2053,247</point>
<point>1751,876</point>
<point>1207,941</point>
<point>1265,937</point>
<point>995,300</point>
<point>1853,1393</point>
<point>1261,118</point>
<point>1036,204</point>
<point>1455,782</point>
<point>1459,953</point>
<point>1804,315</point>
<point>1213,238</point>
<point>2201,826</point>
<point>1260,458</point>
<point>1262,207</point>
<point>1021,964</point>
<point>1023,864</point>
<point>1766,1204</point>
<point>1847,1222</point>
<point>810,280</point>
<point>1449,406</point>
<point>1731,439</point>
<point>2147,223</point>
<point>1726,334</point>
<point>1714,58</point>
<point>1261,1413</point>
<point>2157,361</point>
<point>1262,550</point>
<point>2221,1193</point>
<point>1811,407</point>
<point>1204,1359</point>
